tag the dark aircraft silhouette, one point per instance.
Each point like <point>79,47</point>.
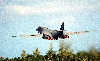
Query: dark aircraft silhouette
<point>49,34</point>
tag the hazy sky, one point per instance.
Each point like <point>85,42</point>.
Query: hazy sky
<point>24,16</point>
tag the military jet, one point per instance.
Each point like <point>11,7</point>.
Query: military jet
<point>49,34</point>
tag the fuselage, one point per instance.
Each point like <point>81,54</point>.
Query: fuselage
<point>51,34</point>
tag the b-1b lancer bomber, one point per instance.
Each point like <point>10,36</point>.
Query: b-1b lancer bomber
<point>49,34</point>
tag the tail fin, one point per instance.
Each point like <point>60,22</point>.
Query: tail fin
<point>62,26</point>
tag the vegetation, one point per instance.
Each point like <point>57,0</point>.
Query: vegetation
<point>64,54</point>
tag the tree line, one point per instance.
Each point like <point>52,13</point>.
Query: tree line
<point>64,54</point>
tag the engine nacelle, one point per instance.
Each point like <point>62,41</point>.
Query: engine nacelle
<point>66,36</point>
<point>45,36</point>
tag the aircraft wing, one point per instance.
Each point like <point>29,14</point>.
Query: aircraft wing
<point>81,32</point>
<point>32,36</point>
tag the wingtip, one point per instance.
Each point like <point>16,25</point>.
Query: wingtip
<point>14,36</point>
<point>32,35</point>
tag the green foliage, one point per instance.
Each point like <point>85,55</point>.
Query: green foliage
<point>64,54</point>
<point>50,55</point>
<point>23,54</point>
<point>37,56</point>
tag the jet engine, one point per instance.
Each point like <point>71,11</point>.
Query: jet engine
<point>45,36</point>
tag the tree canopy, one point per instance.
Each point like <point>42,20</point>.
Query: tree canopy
<point>64,54</point>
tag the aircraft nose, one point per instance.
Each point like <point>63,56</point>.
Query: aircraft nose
<point>36,29</point>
